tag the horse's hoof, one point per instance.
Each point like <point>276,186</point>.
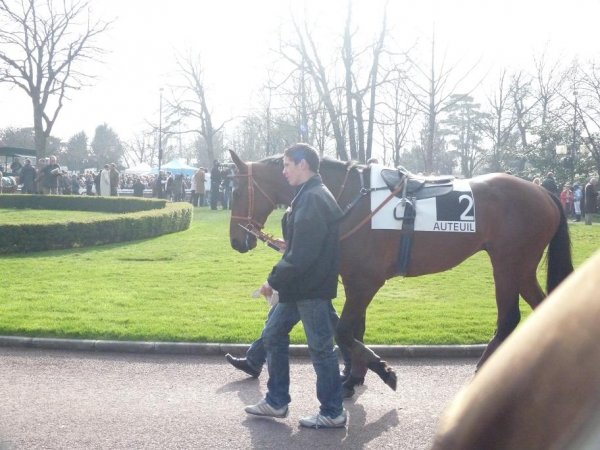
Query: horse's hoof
<point>385,372</point>
<point>353,381</point>
<point>392,380</point>
<point>347,392</point>
<point>357,381</point>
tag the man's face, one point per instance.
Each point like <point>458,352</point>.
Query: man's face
<point>52,160</point>
<point>293,172</point>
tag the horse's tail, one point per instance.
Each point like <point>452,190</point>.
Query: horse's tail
<point>560,264</point>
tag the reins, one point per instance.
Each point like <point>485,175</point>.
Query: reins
<point>363,193</point>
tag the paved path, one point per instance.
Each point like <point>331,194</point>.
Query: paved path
<point>52,399</point>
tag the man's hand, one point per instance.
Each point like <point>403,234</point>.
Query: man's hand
<point>281,244</point>
<point>266,289</point>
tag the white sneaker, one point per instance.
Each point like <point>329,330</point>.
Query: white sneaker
<point>321,421</point>
<point>262,408</point>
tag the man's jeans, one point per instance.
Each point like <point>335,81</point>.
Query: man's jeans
<point>315,316</point>
<point>256,355</point>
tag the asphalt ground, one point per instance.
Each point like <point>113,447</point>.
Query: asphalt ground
<point>64,399</point>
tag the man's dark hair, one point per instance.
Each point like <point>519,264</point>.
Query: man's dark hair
<point>301,151</point>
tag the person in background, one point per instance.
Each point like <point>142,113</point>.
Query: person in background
<point>566,199</point>
<point>178,188</point>
<point>227,176</point>
<point>28,175</point>
<point>105,181</point>
<point>198,187</point>
<point>159,185</point>
<point>114,180</point>
<point>16,167</point>
<point>169,186</point>
<point>207,185</point>
<point>577,196</point>
<point>138,187</point>
<point>550,184</point>
<point>215,184</point>
<point>74,185</point>
<point>591,199</point>
<point>52,173</point>
<point>89,183</point>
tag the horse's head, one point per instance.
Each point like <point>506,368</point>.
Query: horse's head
<point>260,188</point>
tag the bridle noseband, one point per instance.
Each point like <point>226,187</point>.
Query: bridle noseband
<point>252,223</point>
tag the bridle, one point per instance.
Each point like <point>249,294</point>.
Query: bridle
<point>251,222</point>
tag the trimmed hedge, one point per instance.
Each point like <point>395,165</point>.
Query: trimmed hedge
<point>150,218</point>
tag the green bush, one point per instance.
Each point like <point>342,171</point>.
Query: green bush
<point>133,219</point>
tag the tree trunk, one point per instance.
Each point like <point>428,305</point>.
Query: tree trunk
<point>347,57</point>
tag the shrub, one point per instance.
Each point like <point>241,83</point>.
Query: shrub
<point>133,219</point>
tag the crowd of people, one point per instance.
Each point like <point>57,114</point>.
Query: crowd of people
<point>203,188</point>
<point>214,188</point>
<point>577,201</point>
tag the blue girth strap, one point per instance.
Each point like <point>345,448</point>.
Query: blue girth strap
<point>408,228</point>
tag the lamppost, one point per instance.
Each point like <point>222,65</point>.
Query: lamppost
<point>160,153</point>
<point>574,144</point>
<point>569,152</point>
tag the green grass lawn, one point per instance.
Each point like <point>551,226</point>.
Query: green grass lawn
<point>191,286</point>
<point>35,216</point>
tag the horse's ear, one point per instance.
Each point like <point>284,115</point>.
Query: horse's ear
<point>241,165</point>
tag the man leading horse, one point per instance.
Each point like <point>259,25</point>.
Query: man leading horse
<point>306,280</point>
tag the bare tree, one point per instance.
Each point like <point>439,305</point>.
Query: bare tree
<point>545,131</point>
<point>501,123</point>
<point>586,103</point>
<point>524,104</point>
<point>374,83</point>
<point>398,115</point>
<point>348,58</point>
<point>433,96</point>
<point>140,149</point>
<point>308,57</point>
<point>190,102</point>
<point>43,45</point>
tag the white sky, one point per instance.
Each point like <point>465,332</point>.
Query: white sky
<point>235,37</point>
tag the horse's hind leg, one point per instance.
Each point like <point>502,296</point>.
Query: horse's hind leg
<point>359,333</point>
<point>359,294</point>
<point>531,290</point>
<point>509,315</point>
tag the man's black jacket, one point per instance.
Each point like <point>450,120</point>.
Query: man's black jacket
<point>310,265</point>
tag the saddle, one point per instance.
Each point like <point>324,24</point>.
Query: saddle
<point>417,187</point>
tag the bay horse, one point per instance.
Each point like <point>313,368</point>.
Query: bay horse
<point>516,221</point>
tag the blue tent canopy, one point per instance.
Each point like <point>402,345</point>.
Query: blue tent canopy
<point>177,166</point>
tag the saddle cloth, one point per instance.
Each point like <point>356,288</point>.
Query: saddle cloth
<point>442,204</point>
